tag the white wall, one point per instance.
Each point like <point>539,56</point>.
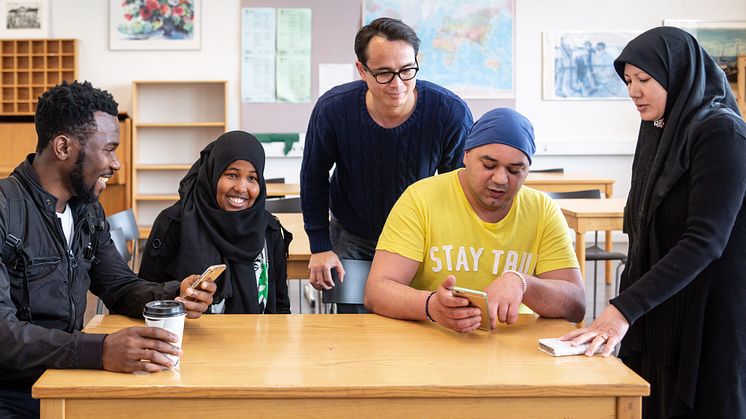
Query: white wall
<point>590,136</point>
<point>218,59</point>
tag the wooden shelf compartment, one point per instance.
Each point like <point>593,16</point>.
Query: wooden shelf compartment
<point>33,66</point>
<point>174,102</point>
<point>172,122</point>
<point>173,144</point>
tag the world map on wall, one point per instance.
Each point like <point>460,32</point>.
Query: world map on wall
<point>466,47</point>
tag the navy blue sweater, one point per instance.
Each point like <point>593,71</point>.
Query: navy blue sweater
<point>374,165</point>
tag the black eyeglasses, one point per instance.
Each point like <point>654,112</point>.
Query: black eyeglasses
<point>385,77</point>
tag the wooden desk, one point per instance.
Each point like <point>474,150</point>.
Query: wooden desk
<point>567,182</point>
<point>350,366</point>
<point>585,215</point>
<point>283,189</point>
<point>300,248</point>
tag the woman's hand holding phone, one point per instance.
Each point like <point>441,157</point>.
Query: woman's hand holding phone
<point>197,291</point>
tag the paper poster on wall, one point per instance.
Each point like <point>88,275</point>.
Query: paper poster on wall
<point>466,47</point>
<point>275,55</point>
<point>293,55</point>
<point>258,54</point>
<point>293,78</point>
<point>331,75</point>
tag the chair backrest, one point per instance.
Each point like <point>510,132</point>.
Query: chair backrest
<point>587,194</point>
<point>125,220</point>
<point>550,170</point>
<point>120,242</point>
<point>352,289</point>
<point>283,205</point>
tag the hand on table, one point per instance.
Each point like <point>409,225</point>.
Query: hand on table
<point>608,330</point>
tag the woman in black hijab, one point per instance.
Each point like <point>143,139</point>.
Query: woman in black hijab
<point>220,218</point>
<point>682,305</point>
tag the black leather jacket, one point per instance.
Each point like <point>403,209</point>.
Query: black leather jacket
<point>58,280</point>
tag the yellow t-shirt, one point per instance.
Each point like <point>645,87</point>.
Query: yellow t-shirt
<point>434,224</point>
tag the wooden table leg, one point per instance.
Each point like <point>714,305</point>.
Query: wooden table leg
<point>629,407</point>
<point>608,247</point>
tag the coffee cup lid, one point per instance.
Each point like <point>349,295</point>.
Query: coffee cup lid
<point>164,308</point>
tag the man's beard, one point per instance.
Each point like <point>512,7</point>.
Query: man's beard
<point>88,195</point>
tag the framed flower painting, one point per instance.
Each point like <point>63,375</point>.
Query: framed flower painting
<point>154,24</point>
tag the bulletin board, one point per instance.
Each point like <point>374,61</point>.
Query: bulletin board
<point>334,25</point>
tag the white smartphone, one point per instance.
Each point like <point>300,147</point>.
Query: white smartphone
<point>210,274</point>
<point>477,299</point>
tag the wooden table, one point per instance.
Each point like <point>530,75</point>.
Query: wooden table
<point>567,182</point>
<point>584,215</point>
<point>547,182</point>
<point>570,182</point>
<point>350,366</point>
<point>282,189</point>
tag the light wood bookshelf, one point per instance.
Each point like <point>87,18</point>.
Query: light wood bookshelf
<point>172,122</point>
<point>30,67</point>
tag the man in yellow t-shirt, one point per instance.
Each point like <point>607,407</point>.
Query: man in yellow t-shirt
<point>477,228</point>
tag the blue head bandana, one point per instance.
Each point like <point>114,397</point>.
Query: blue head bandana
<point>503,126</point>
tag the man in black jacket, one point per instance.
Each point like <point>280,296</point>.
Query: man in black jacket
<point>57,246</point>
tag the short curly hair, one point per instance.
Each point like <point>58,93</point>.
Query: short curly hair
<point>68,109</point>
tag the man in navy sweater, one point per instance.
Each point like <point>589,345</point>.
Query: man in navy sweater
<point>383,132</point>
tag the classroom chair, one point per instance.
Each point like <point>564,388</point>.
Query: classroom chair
<point>550,170</point>
<point>283,205</point>
<point>352,289</point>
<point>125,220</point>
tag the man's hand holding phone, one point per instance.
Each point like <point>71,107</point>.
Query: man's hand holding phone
<point>197,290</point>
<point>453,312</point>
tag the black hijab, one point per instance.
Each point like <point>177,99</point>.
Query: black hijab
<point>697,90</point>
<point>211,235</point>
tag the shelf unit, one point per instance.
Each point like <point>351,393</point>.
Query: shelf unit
<point>172,122</point>
<point>18,138</point>
<point>30,67</point>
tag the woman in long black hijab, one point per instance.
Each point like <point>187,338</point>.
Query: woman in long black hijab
<point>220,218</point>
<point>682,307</point>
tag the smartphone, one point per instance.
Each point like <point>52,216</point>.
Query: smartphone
<point>210,274</point>
<point>476,299</point>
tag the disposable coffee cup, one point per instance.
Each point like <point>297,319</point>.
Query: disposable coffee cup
<point>169,315</point>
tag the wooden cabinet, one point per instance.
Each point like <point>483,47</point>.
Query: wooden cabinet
<point>172,122</point>
<point>18,139</point>
<point>32,66</point>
